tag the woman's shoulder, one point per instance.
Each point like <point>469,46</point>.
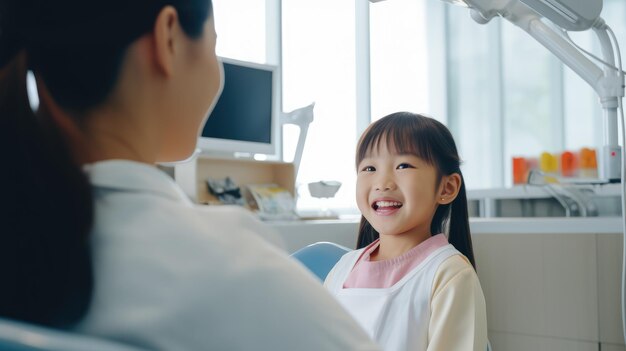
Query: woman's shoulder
<point>157,222</point>
<point>143,209</point>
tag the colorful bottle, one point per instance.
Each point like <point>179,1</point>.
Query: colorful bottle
<point>549,164</point>
<point>520,170</point>
<point>569,165</point>
<point>588,163</point>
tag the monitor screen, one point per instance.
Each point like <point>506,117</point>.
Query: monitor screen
<point>243,118</point>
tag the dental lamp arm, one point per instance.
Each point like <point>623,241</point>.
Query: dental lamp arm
<point>574,15</point>
<point>607,83</point>
<point>300,117</point>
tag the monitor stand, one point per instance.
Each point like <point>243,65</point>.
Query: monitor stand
<point>235,155</point>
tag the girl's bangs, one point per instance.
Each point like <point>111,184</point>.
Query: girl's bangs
<point>401,135</point>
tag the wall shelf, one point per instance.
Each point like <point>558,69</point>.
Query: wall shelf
<point>192,175</point>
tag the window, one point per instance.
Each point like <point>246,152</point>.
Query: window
<point>241,29</point>
<point>531,82</point>
<point>398,58</point>
<point>318,64</point>
<point>474,107</point>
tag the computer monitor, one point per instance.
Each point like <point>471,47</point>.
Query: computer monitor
<point>245,118</point>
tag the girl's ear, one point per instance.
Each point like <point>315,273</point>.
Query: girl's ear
<point>449,188</point>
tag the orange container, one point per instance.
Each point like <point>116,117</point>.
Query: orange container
<point>588,163</point>
<point>568,164</point>
<point>520,170</point>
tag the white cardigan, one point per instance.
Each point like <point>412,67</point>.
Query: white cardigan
<point>438,305</point>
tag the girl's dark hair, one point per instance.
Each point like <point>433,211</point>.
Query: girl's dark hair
<point>76,48</point>
<point>430,140</point>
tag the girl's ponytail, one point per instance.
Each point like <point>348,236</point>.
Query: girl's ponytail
<point>453,219</point>
<point>458,226</point>
<point>45,262</point>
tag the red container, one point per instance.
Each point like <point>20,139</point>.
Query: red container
<point>569,164</point>
<point>520,170</point>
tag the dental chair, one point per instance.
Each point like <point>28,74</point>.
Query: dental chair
<point>320,257</point>
<point>20,336</point>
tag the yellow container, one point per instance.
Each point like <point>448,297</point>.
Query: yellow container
<point>549,163</point>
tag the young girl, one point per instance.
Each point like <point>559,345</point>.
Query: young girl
<point>411,286</point>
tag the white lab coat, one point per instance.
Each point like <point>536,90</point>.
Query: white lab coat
<point>172,276</point>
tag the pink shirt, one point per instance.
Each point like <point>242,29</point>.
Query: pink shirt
<point>384,274</point>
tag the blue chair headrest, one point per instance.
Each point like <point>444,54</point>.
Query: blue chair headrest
<point>320,257</point>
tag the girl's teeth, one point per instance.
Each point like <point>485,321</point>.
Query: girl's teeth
<point>387,204</point>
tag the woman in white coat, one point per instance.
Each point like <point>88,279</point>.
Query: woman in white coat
<point>96,239</point>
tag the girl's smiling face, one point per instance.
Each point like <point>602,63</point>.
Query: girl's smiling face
<point>397,193</point>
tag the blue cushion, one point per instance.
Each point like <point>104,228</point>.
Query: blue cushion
<point>320,257</point>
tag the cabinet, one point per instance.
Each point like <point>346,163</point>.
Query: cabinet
<point>551,291</point>
<point>192,175</point>
<point>521,342</point>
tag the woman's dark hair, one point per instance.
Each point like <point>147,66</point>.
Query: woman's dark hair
<point>430,140</point>
<point>76,48</point>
